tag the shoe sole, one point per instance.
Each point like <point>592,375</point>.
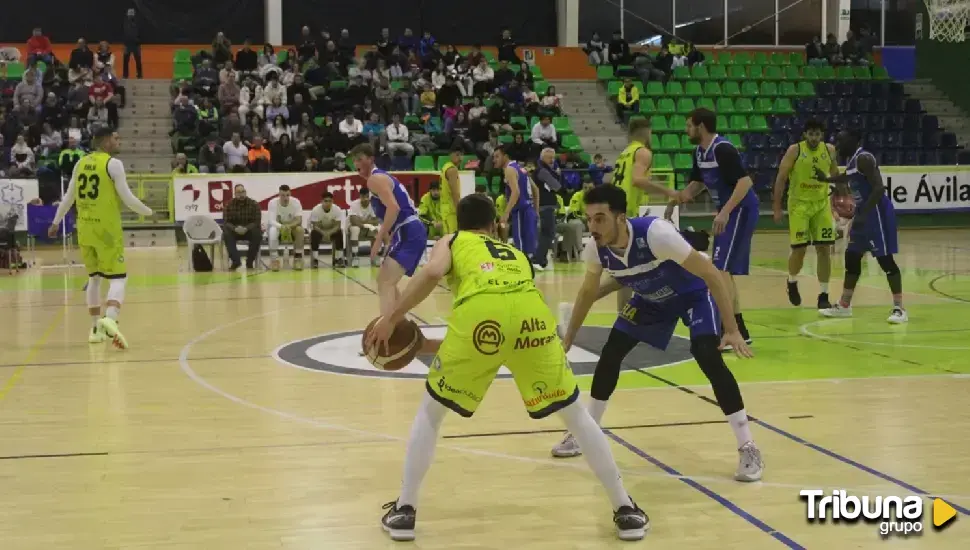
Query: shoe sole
<point>897,322</point>
<point>570,454</point>
<point>749,478</point>
<point>633,534</point>
<point>830,316</point>
<point>400,535</point>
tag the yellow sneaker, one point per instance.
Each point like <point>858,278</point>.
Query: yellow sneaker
<point>96,336</point>
<point>274,264</point>
<point>109,327</point>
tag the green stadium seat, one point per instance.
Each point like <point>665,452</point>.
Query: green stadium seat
<point>786,89</point>
<point>742,58</point>
<point>586,157</point>
<point>735,140</point>
<point>648,106</point>
<point>685,144</point>
<point>773,72</point>
<point>712,88</point>
<point>604,72</point>
<point>738,123</point>
<point>338,84</point>
<point>658,123</point>
<point>683,162</point>
<point>571,143</point>
<point>783,106</point>
<point>666,106</point>
<point>861,73</point>
<point>489,56</point>
<point>182,71</point>
<point>693,88</point>
<point>722,123</point>
<point>763,105</point>
<point>731,89</point>
<point>519,121</point>
<point>675,88</point>
<point>718,72</point>
<point>725,58</point>
<point>743,105</point>
<point>654,142</point>
<point>706,103</point>
<point>805,89</point>
<point>778,58</point>
<point>770,88</point>
<point>613,88</point>
<point>844,73</point>
<point>503,139</point>
<point>533,121</point>
<point>663,162</point>
<point>411,120</point>
<point>425,163</point>
<point>759,123</point>
<point>396,85</point>
<point>282,56</point>
<point>670,143</point>
<point>796,58</point>
<point>182,56</point>
<point>627,68</point>
<point>760,58</point>
<point>810,73</point>
<point>792,73</point>
<point>562,126</point>
<point>749,88</point>
<point>826,72</point>
<point>756,72</point>
<point>725,105</point>
<point>15,71</point>
<point>678,123</point>
<point>880,73</point>
<point>655,89</point>
<point>736,72</point>
<point>318,121</point>
<point>541,87</point>
<point>682,72</point>
<point>536,71</point>
<point>700,72</point>
<point>685,105</point>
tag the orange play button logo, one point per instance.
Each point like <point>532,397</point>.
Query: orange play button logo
<point>943,513</point>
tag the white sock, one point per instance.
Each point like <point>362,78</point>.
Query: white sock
<point>792,278</point>
<point>596,410</point>
<point>112,312</point>
<point>421,445</point>
<point>338,254</point>
<point>95,319</point>
<point>315,255</point>
<point>824,287</point>
<point>596,451</point>
<point>739,425</point>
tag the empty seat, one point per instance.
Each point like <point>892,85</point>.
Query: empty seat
<point>893,140</point>
<point>700,72</point>
<point>705,103</point>
<point>778,141</point>
<point>742,58</point>
<point>749,88</point>
<point>913,106</point>
<point>736,140</point>
<point>678,123</point>
<point>666,106</point>
<point>683,161</point>
<point>891,158</point>
<point>931,123</point>
<point>770,89</point>
<point>760,58</point>
<point>894,122</point>
<point>792,73</point>
<point>826,89</point>
<point>724,58</point>
<point>912,123</point>
<point>755,72</point>
<point>932,140</point>
<point>682,72</point>
<point>725,105</point>
<point>663,161</point>
<point>781,123</point>
<point>675,88</point>
<point>658,123</point>
<point>805,89</point>
<point>669,143</point>
<point>712,88</point>
<point>731,89</point>
<point>655,89</point>
<point>693,88</point>
<point>762,105</point>
<point>743,105</point>
<point>756,142</point>
<point>895,105</point>
<point>948,140</point>
<point>844,105</point>
<point>861,105</point>
<point>758,123</point>
<point>880,73</point>
<point>877,123</point>
<point>783,106</point>
<point>773,72</point>
<point>685,105</point>
<point>738,123</point>
<point>861,73</point>
<point>718,72</point>
<point>779,58</point>
<point>912,140</point>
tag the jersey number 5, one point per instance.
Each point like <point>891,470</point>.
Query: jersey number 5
<point>500,251</point>
<point>82,189</point>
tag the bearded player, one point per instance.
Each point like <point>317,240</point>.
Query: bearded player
<point>494,292</point>
<point>98,187</point>
<point>809,211</point>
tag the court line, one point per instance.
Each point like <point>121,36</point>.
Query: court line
<point>804,329</point>
<point>737,510</point>
<point>62,455</point>
<point>805,381</point>
<point>932,285</point>
<point>810,445</point>
<point>135,361</point>
<point>31,354</point>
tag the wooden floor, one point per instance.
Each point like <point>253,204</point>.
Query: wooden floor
<point>201,437</point>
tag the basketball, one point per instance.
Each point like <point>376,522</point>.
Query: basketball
<point>844,206</point>
<point>403,346</point>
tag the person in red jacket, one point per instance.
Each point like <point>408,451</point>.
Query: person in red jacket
<point>39,49</point>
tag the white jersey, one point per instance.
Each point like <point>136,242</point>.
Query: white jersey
<point>285,215</point>
<point>319,215</point>
<point>363,213</point>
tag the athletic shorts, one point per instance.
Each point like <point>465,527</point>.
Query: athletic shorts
<point>524,229</point>
<point>408,244</point>
<point>654,324</point>
<point>732,248</point>
<point>104,261</point>
<point>810,222</point>
<point>449,222</point>
<point>516,330</point>
<point>877,232</point>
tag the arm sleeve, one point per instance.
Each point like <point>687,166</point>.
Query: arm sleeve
<point>67,201</point>
<point>591,258</point>
<point>695,171</point>
<point>667,243</point>
<point>729,162</point>
<point>116,169</point>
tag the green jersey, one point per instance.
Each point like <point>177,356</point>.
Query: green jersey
<point>623,177</point>
<point>483,265</point>
<point>805,186</point>
<point>97,202</point>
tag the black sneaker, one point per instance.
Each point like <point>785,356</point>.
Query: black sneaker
<point>314,263</point>
<point>793,295</point>
<point>823,301</point>
<point>631,522</point>
<point>399,521</point>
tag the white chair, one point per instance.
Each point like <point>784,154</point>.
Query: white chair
<point>203,230</point>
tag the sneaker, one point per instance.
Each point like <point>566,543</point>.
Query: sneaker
<point>631,522</point>
<point>314,263</point>
<point>399,521</point>
<point>538,267</point>
<point>567,448</point>
<point>110,329</point>
<point>750,465</point>
<point>298,264</point>
<point>97,336</point>
<point>235,266</point>
<point>274,264</point>
<point>836,311</point>
<point>340,262</point>
<point>355,262</point>
<point>794,297</point>
<point>823,301</point>
<point>898,316</point>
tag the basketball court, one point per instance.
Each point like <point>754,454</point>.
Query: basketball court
<point>241,417</point>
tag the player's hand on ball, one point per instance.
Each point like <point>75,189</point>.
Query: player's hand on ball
<point>737,343</point>
<point>720,222</point>
<point>820,175</point>
<point>380,334</point>
<point>52,231</point>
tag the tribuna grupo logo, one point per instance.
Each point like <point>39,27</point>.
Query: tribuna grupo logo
<point>899,516</point>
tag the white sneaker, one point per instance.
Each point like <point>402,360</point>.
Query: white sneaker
<point>898,316</point>
<point>836,311</point>
<point>538,267</point>
<point>96,336</point>
<point>750,465</point>
<point>567,448</point>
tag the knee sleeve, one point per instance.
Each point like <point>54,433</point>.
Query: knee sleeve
<point>618,346</point>
<point>116,289</point>
<point>853,262</point>
<point>709,358</point>
<point>93,291</point>
<point>888,264</point>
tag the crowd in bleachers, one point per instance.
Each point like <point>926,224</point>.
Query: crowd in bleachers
<point>49,107</point>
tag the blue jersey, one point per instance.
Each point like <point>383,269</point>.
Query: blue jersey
<point>720,166</point>
<point>408,211</point>
<point>525,190</point>
<point>660,282</point>
<point>859,186</point>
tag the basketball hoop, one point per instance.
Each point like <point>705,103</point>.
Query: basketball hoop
<point>948,19</point>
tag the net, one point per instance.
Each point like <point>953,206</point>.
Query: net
<point>948,19</point>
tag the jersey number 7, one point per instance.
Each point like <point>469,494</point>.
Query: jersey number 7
<point>82,189</point>
<point>500,251</point>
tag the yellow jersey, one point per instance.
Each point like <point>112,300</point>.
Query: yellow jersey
<point>623,177</point>
<point>97,202</point>
<point>805,187</point>
<point>481,264</point>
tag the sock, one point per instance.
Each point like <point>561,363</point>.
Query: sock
<point>824,287</point>
<point>338,254</point>
<point>421,446</point>
<point>739,425</point>
<point>596,409</point>
<point>898,301</point>
<point>743,329</point>
<point>846,300</point>
<point>315,255</point>
<point>792,278</point>
<point>94,320</point>
<point>112,312</point>
<point>596,451</point>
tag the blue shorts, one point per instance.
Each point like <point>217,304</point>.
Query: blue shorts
<point>408,244</point>
<point>732,248</point>
<point>654,324</point>
<point>877,233</point>
<point>524,229</point>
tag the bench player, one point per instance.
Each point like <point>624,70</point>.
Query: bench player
<point>496,307</point>
<point>98,186</point>
<point>671,282</point>
<point>809,210</point>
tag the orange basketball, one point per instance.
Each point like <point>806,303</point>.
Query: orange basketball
<point>844,205</point>
<point>402,347</point>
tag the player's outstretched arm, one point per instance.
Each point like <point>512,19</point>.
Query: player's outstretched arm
<point>116,169</point>
<point>642,163</point>
<point>607,286</point>
<point>67,201</point>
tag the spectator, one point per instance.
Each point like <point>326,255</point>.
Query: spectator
<point>694,56</point>
<point>299,110</point>
<point>503,75</point>
<point>429,210</point>
<point>102,91</point>
<point>221,49</point>
<point>352,131</point>
<point>98,116</point>
<point>81,62</point>
<point>259,157</point>
<point>308,47</point>
<point>77,99</point>
<point>279,129</point>
<point>50,142</point>
<point>29,88</point>
<point>228,96</point>
<point>285,224</point>
<point>211,157</point>
<point>276,110</point>
<point>326,226</point>
<point>548,177</point>
<point>108,75</point>
<point>483,75</point>
<point>475,56</point>
<point>619,51</point>
<point>664,62</point>
<point>228,72</point>
<point>39,49</point>
<point>373,130</point>
<point>438,75</point>
<point>451,56</point>
<point>4,157</point>
<point>251,98</point>
<point>305,129</point>
<point>181,165</point>
<point>345,45</point>
<point>850,51</point>
<point>457,130</point>
<point>627,100</point>
<point>247,60</point>
<point>814,51</point>
<point>384,96</point>
<point>255,129</point>
<point>242,221</point>
<point>231,124</point>
<point>104,57</point>
<point>831,50</point>
<point>506,48</point>
<point>22,160</point>
<point>865,43</point>
<point>397,137</point>
<point>235,152</point>
<point>52,113</point>
<point>206,79</point>
<point>500,116</point>
<point>525,77</point>
<point>385,46</point>
<point>407,42</point>
<point>429,100</point>
<point>69,156</point>
<point>76,132</point>
<point>519,149</point>
<point>477,110</point>
<point>544,133</point>
<point>132,43</point>
<point>463,78</point>
<point>576,217</point>
<point>599,169</point>
<point>285,156</point>
<point>25,116</point>
<point>267,60</point>
<point>595,50</point>
<point>274,89</point>
<point>363,222</point>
